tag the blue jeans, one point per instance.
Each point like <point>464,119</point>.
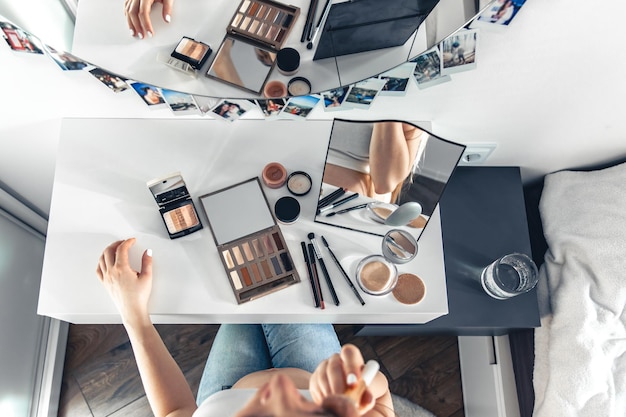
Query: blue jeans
<point>240,349</point>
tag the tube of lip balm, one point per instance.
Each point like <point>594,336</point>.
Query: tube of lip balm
<point>356,388</point>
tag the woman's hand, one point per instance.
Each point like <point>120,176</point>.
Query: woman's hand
<point>138,15</point>
<point>129,289</point>
<point>330,378</point>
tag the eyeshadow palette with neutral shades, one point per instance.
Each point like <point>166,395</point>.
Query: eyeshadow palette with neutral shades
<point>266,21</point>
<point>250,243</point>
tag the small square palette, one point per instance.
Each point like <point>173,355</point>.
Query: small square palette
<point>250,244</point>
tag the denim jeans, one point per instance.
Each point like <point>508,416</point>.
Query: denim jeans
<point>240,349</point>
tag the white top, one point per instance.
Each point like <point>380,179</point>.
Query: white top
<point>227,402</point>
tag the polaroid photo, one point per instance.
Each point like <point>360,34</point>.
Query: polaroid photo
<point>271,107</point>
<point>498,15</point>
<point>362,94</point>
<point>150,94</point>
<point>299,107</point>
<point>458,52</point>
<point>20,40</point>
<point>427,71</point>
<point>65,60</point>
<point>113,82</point>
<point>230,110</point>
<point>205,103</point>
<point>397,79</point>
<point>181,104</point>
<point>333,99</point>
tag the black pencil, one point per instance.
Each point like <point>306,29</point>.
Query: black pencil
<point>331,197</point>
<point>343,271</point>
<point>308,24</point>
<point>316,297</point>
<point>315,276</point>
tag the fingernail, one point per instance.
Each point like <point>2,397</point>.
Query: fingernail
<point>149,252</point>
<point>132,33</point>
<point>351,379</point>
<point>149,34</point>
<point>140,35</point>
<point>168,18</point>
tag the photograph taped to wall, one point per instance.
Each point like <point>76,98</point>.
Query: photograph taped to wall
<point>20,40</point>
<point>427,70</point>
<point>231,110</point>
<point>458,52</point>
<point>397,79</point>
<point>500,13</point>
<point>65,60</point>
<point>333,99</point>
<point>300,107</point>
<point>150,94</point>
<point>112,81</point>
<point>363,93</point>
<point>180,103</point>
<point>271,107</point>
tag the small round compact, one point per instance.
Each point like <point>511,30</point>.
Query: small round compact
<point>287,210</point>
<point>299,86</point>
<point>299,183</point>
<point>274,175</point>
<point>288,61</point>
<point>275,89</point>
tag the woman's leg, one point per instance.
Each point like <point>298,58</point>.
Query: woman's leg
<point>301,346</point>
<point>238,349</point>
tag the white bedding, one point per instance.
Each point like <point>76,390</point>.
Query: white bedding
<point>580,349</point>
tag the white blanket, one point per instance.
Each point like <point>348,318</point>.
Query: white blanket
<point>580,350</point>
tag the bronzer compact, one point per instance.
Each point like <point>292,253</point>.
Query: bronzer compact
<point>189,55</point>
<point>175,205</point>
<point>250,243</point>
<point>253,38</point>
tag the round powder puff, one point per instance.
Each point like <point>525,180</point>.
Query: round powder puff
<point>410,289</point>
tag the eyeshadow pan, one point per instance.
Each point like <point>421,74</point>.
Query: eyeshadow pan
<point>281,35</point>
<point>262,11</point>
<point>238,255</point>
<point>276,266</point>
<point>228,259</point>
<point>266,269</point>
<point>180,218</point>
<point>253,9</point>
<point>262,29</point>
<point>271,16</point>
<point>245,23</point>
<point>287,20</point>
<point>278,240</point>
<point>234,276</point>
<point>256,273</point>
<point>273,32</point>
<point>248,251</point>
<point>246,276</point>
<point>257,247</point>
<point>237,19</point>
<point>279,17</point>
<point>269,248</point>
<point>244,6</point>
<point>254,26</point>
<point>286,261</point>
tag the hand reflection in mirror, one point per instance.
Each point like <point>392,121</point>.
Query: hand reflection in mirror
<point>380,164</point>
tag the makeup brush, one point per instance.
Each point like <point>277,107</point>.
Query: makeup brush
<point>357,387</point>
<point>338,203</point>
<point>360,206</point>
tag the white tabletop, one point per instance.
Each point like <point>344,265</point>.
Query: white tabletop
<point>102,37</point>
<point>100,195</point>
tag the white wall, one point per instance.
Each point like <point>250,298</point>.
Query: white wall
<point>549,90</point>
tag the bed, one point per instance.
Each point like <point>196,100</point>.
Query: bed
<point>575,363</point>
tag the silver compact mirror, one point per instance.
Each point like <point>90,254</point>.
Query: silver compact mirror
<point>399,246</point>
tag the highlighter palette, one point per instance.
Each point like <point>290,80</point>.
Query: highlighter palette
<point>266,21</point>
<point>250,244</point>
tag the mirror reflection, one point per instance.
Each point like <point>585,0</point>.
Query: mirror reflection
<point>242,64</point>
<point>384,175</point>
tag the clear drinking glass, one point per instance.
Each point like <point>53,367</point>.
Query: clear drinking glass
<point>509,276</point>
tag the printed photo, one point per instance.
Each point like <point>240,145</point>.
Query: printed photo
<point>272,106</point>
<point>19,40</point>
<point>459,51</point>
<point>397,79</point>
<point>149,93</point>
<point>180,103</point>
<point>427,71</point>
<point>501,12</point>
<point>362,94</point>
<point>65,60</point>
<point>114,82</point>
<point>333,99</point>
<point>299,107</point>
<point>231,110</point>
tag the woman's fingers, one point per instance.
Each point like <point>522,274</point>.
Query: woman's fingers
<point>352,360</point>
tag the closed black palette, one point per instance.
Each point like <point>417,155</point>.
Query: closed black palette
<point>250,243</point>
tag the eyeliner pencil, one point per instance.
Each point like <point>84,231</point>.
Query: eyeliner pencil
<point>315,276</point>
<point>320,260</point>
<point>308,24</point>
<point>343,271</point>
<point>360,206</point>
<point>338,203</point>
<point>331,197</point>
<point>316,297</point>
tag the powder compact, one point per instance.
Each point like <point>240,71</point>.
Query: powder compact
<point>299,183</point>
<point>249,241</point>
<point>378,275</point>
<point>189,55</point>
<point>175,205</point>
<point>253,38</point>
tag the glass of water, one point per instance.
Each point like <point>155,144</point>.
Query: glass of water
<point>509,276</point>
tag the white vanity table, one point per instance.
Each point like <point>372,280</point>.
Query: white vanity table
<point>100,196</point>
<point>102,37</point>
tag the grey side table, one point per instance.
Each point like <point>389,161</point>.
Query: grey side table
<point>483,217</point>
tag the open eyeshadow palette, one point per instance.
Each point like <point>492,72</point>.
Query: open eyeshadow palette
<point>266,21</point>
<point>250,243</point>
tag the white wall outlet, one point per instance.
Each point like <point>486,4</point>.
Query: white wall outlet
<point>477,153</point>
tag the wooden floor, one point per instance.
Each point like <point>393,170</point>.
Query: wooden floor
<point>101,378</point>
